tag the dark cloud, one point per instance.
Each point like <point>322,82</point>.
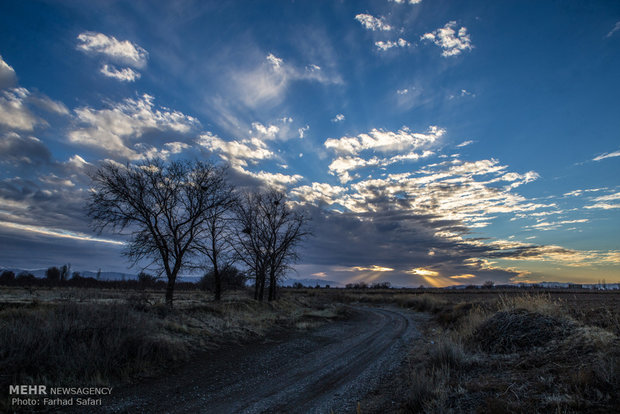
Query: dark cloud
<point>20,150</point>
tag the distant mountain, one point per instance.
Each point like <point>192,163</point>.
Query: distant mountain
<point>85,273</point>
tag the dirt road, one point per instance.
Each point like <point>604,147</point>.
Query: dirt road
<point>329,368</point>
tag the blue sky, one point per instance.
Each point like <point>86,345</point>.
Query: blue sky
<point>433,142</point>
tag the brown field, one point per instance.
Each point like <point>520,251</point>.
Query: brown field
<point>481,350</point>
<point>510,351</point>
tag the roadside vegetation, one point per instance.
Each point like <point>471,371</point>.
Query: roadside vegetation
<point>515,354</point>
<point>67,336</point>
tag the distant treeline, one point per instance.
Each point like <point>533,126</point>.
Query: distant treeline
<point>232,278</point>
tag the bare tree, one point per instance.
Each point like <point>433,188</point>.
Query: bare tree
<point>164,206</point>
<point>215,243</point>
<point>270,232</point>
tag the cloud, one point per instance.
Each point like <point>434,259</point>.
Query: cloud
<point>124,75</point>
<point>452,42</point>
<point>18,150</point>
<point>317,193</point>
<point>373,23</point>
<point>384,141</point>
<point>302,131</point>
<point>124,51</point>
<point>338,118</point>
<point>266,132</point>
<point>274,180</point>
<point>8,78</point>
<point>14,112</point>
<point>603,202</point>
<point>267,82</point>
<point>383,46</point>
<point>237,153</point>
<point>117,129</point>
<point>58,233</point>
<point>465,143</point>
<point>275,61</point>
<point>613,30</point>
<point>48,104</point>
<point>606,155</point>
<point>407,1</point>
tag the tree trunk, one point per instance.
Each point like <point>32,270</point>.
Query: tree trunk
<point>218,283</point>
<point>170,291</point>
<point>261,291</point>
<point>272,286</point>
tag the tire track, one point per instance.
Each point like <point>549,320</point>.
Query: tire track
<point>332,367</point>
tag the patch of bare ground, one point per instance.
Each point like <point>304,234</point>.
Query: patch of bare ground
<point>515,354</point>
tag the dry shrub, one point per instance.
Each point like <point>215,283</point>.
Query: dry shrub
<point>520,330</point>
<point>448,353</point>
<point>422,303</point>
<point>428,390</point>
<point>524,354</point>
<point>538,303</point>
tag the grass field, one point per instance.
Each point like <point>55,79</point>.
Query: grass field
<point>70,336</point>
<point>507,352</point>
<point>481,351</point>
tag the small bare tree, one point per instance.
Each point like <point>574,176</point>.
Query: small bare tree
<point>269,233</point>
<point>215,243</point>
<point>164,206</point>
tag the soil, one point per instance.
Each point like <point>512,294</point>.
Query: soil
<point>333,368</point>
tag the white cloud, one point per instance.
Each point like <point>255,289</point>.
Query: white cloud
<point>123,51</point>
<point>451,41</point>
<point>268,81</point>
<point>383,46</point>
<point>606,155</point>
<point>237,153</point>
<point>57,233</point>
<point>407,1</point>
<point>7,75</point>
<point>373,23</point>
<point>613,30</point>
<point>451,191</point>
<point>302,131</point>
<point>338,118</point>
<point>465,143</point>
<point>124,75</point>
<point>48,104</point>
<point>117,128</point>
<point>265,132</point>
<point>275,61</point>
<point>384,141</point>
<point>603,202</point>
<point>317,193</point>
<point>276,180</point>
<point>13,111</point>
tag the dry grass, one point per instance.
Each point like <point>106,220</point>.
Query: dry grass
<point>110,337</point>
<point>521,353</point>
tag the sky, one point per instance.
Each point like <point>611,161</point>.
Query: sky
<point>432,142</point>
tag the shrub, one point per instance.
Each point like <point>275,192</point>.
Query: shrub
<point>144,279</point>
<point>52,274</point>
<point>232,278</point>
<point>7,276</point>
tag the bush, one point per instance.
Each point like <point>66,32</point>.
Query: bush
<point>25,278</point>
<point>52,274</point>
<point>7,276</point>
<point>144,279</point>
<point>232,278</point>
